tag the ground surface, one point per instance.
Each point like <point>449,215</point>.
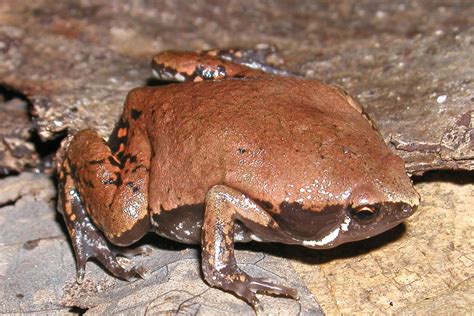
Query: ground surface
<point>423,267</point>
<point>70,65</point>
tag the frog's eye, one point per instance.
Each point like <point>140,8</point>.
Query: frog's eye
<point>364,214</point>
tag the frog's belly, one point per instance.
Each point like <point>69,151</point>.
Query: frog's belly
<point>184,224</point>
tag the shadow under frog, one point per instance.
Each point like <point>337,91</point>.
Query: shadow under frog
<point>233,154</point>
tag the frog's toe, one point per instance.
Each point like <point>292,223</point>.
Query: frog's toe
<point>110,262</point>
<point>90,243</point>
<point>247,287</point>
<point>130,253</point>
<point>251,286</point>
<point>262,285</point>
<point>251,298</point>
<point>131,274</point>
<point>80,273</point>
<point>141,272</point>
<point>116,269</point>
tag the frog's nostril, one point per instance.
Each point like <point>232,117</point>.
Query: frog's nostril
<point>408,210</point>
<point>364,214</point>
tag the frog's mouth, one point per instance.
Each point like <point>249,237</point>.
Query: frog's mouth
<point>315,227</point>
<point>357,226</point>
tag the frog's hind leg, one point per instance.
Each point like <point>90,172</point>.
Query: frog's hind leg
<point>88,242</point>
<point>102,196</point>
<point>217,64</point>
<point>224,206</point>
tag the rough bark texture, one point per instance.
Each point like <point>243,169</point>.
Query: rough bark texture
<point>16,148</point>
<point>410,63</point>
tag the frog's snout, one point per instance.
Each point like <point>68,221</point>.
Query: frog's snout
<point>407,210</point>
<point>369,220</point>
<point>368,214</point>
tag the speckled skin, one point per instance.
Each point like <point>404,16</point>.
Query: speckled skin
<point>239,155</point>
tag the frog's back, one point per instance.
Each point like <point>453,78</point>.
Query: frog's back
<point>270,138</point>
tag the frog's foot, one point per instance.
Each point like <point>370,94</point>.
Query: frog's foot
<point>90,243</point>
<point>246,287</point>
<point>224,206</point>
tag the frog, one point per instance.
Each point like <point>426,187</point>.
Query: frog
<point>232,150</point>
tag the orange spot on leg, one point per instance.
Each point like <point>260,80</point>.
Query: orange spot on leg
<point>68,209</point>
<point>122,132</point>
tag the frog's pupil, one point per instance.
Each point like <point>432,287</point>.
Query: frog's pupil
<point>363,214</point>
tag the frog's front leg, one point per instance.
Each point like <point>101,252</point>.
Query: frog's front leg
<point>101,194</point>
<point>223,207</point>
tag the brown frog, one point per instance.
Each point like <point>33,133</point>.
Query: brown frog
<point>233,154</point>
